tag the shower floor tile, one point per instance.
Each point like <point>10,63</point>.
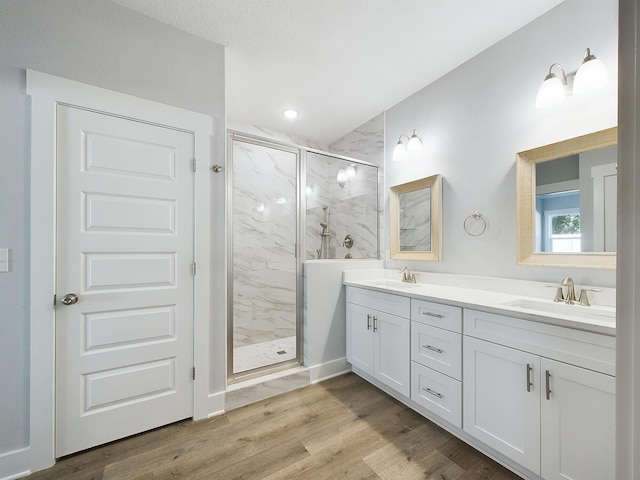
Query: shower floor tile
<point>261,354</point>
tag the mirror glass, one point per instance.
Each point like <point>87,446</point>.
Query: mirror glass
<point>415,213</point>
<point>415,221</point>
<point>567,202</point>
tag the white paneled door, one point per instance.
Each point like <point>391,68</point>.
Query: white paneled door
<point>124,281</point>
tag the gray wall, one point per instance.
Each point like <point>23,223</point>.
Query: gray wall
<point>102,44</point>
<point>475,119</point>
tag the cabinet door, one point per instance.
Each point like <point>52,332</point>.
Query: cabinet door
<point>501,400</point>
<point>578,423</point>
<point>392,351</point>
<point>360,337</point>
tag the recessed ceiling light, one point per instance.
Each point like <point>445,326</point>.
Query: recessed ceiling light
<point>290,113</point>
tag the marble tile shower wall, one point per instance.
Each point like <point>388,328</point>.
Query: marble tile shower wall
<point>415,221</point>
<point>352,208</point>
<point>264,226</point>
<point>364,143</point>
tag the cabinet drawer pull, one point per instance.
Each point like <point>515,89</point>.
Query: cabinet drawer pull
<point>435,349</point>
<point>433,392</point>
<point>368,321</point>
<point>548,390</point>
<point>431,314</point>
<point>529,382</point>
<point>375,323</point>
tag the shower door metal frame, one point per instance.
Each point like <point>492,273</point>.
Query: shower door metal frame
<point>299,254</point>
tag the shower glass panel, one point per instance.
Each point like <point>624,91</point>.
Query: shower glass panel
<point>342,208</point>
<point>263,270</point>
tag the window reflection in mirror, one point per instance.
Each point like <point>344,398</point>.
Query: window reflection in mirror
<point>566,202</point>
<point>576,202</point>
<point>415,215</point>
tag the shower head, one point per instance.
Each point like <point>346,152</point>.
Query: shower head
<point>323,224</point>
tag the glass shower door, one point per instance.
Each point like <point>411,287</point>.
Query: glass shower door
<point>263,269</point>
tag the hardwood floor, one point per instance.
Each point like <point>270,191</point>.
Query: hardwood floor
<point>341,428</point>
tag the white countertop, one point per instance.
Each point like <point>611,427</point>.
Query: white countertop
<point>507,298</point>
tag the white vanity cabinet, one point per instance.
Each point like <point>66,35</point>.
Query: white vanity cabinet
<point>542,395</point>
<point>436,359</point>
<point>502,400</point>
<point>378,329</point>
<point>578,419</point>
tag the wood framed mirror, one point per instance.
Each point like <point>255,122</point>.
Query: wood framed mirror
<point>566,202</point>
<point>415,213</point>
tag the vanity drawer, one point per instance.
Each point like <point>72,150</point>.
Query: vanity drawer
<point>437,393</point>
<point>437,348</point>
<point>576,347</point>
<point>383,302</point>
<point>437,314</point>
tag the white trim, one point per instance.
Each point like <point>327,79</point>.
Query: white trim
<point>602,238</point>
<point>46,92</point>
<point>215,404</point>
<point>558,187</point>
<point>325,371</point>
<point>15,464</point>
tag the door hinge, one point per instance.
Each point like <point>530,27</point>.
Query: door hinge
<point>193,269</point>
<point>193,373</point>
<point>194,164</point>
<point>55,299</point>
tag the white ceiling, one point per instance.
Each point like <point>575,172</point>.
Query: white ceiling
<point>338,62</point>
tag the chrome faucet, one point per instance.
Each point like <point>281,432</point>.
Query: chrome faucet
<point>570,297</point>
<point>407,276</point>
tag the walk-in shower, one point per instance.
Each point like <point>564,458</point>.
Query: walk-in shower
<point>341,207</point>
<point>287,205</point>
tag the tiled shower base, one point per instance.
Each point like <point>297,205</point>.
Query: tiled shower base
<point>261,354</point>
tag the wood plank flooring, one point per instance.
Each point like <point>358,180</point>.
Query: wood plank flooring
<point>341,428</point>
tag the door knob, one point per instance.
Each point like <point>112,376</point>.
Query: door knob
<point>69,299</point>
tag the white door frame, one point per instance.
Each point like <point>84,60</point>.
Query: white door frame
<point>46,92</point>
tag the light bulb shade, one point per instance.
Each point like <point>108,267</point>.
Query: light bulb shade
<point>415,144</point>
<point>551,92</point>
<point>350,171</point>
<point>399,152</point>
<point>590,76</point>
<point>342,176</point>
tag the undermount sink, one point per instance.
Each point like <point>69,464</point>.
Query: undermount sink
<point>392,284</point>
<point>585,313</point>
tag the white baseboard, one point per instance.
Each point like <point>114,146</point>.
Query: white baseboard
<point>15,464</point>
<point>215,404</point>
<point>325,371</point>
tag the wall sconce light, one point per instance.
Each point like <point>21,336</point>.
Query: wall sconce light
<point>590,76</point>
<point>414,144</point>
<point>346,174</point>
<point>342,177</point>
<point>552,90</point>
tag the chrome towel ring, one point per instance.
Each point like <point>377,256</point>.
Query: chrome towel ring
<point>475,224</point>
